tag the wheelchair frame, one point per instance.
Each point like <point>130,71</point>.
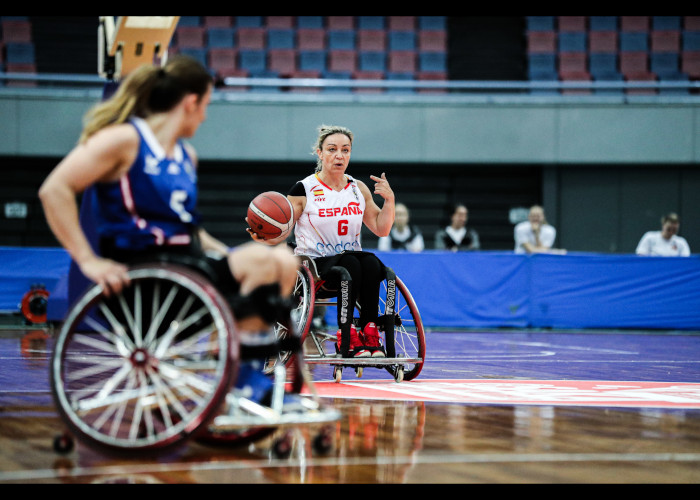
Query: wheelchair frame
<point>399,320</point>
<point>153,366</point>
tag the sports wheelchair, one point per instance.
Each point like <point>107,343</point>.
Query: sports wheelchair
<point>144,370</point>
<point>399,323</point>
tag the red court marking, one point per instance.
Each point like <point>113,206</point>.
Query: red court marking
<point>523,392</point>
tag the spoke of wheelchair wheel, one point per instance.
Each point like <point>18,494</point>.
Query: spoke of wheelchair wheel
<point>158,316</point>
<point>181,380</point>
<point>193,344</point>
<point>121,343</point>
<point>177,326</point>
<point>101,365</point>
<point>116,407</point>
<point>112,346</point>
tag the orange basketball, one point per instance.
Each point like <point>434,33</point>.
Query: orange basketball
<point>270,215</point>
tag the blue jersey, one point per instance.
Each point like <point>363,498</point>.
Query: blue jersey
<point>154,203</point>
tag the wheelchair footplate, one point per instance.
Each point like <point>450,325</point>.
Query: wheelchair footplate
<point>241,412</point>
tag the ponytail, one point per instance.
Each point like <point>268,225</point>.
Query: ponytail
<point>147,90</point>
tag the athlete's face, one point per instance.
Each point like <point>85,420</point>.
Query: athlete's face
<point>197,112</point>
<point>335,153</point>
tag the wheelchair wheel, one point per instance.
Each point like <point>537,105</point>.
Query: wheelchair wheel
<point>304,296</point>
<point>145,369</point>
<point>409,335</point>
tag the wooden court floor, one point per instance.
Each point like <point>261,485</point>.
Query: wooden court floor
<point>489,407</point>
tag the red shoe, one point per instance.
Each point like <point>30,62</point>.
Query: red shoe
<point>372,340</point>
<point>357,349</point>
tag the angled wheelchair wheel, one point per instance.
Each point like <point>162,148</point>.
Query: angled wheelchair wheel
<point>145,369</point>
<point>408,335</point>
<point>303,296</point>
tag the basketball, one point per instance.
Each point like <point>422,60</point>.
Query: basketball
<point>270,215</point>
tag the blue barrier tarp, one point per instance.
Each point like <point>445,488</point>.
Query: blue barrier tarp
<point>475,289</point>
<point>21,268</point>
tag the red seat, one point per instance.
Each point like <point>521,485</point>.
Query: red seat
<point>432,41</point>
<point>218,21</point>
<point>16,31</point>
<point>311,39</point>
<point>634,23</point>
<point>603,42</point>
<point>402,62</point>
<point>342,61</point>
<point>250,38</point>
<point>634,63</point>
<point>371,40</point>
<point>541,42</point>
<point>571,23</point>
<point>402,23</point>
<point>690,63</point>
<point>282,61</point>
<point>191,37</point>
<point>665,41</point>
<point>279,22</point>
<point>222,59</point>
<point>572,62</point>
<point>340,23</point>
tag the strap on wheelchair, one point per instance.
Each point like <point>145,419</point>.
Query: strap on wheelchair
<point>345,307</point>
<point>290,343</point>
<point>389,318</point>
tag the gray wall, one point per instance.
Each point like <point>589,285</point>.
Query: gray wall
<point>613,165</point>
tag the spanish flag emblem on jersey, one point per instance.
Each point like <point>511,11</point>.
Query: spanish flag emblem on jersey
<point>318,192</point>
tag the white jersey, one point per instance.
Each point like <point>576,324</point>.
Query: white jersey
<point>331,221</point>
<point>523,234</point>
<point>652,243</point>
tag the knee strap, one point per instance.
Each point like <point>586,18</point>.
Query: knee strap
<point>265,301</point>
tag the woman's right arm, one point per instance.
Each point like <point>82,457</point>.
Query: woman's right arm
<point>103,157</point>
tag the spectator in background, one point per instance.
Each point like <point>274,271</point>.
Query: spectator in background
<point>535,235</point>
<point>665,243</point>
<point>457,236</point>
<point>403,236</point>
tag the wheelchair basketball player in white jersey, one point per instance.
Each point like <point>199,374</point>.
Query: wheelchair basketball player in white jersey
<point>330,207</point>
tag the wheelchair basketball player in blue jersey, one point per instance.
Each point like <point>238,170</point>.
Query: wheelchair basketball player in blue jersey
<point>132,152</point>
<point>330,207</point>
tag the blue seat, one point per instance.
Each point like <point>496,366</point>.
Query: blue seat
<point>663,23</point>
<point>602,23</point>
<point>602,64</point>
<point>337,75</point>
<point>341,39</point>
<point>370,22</point>
<point>633,41</point>
<point>400,77</point>
<point>432,61</point>
<point>572,42</point>
<point>253,61</point>
<point>372,61</point>
<point>613,76</point>
<point>220,37</point>
<point>200,54</point>
<point>249,22</point>
<point>664,64</point>
<point>189,21</point>
<point>310,22</point>
<point>312,60</point>
<point>542,64</point>
<point>402,40</point>
<point>428,23</point>
<point>280,38</point>
<point>690,40</point>
<point>540,23</point>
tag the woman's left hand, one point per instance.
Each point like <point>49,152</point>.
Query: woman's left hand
<point>382,187</point>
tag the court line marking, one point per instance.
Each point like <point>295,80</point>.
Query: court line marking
<point>424,459</point>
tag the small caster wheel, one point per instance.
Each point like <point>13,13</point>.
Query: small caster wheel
<point>323,443</point>
<point>358,371</point>
<point>338,373</point>
<point>282,448</point>
<point>398,374</point>
<point>63,444</point>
